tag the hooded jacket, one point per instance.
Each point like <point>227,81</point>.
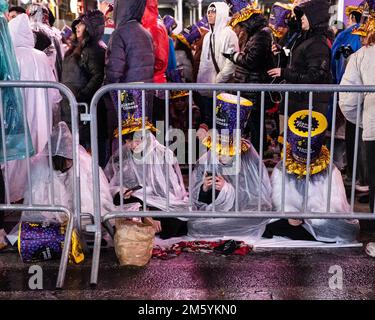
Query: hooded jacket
<point>345,38</point>
<point>160,39</point>
<point>34,66</point>
<point>130,53</point>
<point>309,60</point>
<point>255,57</point>
<point>223,39</point>
<point>83,68</point>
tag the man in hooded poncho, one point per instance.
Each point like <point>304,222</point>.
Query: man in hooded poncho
<point>249,194</point>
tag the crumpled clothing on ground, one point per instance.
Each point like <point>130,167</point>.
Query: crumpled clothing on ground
<point>197,247</point>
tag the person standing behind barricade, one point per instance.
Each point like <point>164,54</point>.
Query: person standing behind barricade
<point>106,7</point>
<point>214,67</point>
<point>12,104</point>
<point>155,26</point>
<point>40,18</point>
<point>128,59</point>
<point>14,12</point>
<point>308,61</point>
<point>361,71</point>
<point>309,58</point>
<point>170,24</point>
<point>83,70</point>
<point>344,46</point>
<point>33,66</point>
<point>252,62</point>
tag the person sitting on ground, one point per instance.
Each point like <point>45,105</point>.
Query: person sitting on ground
<point>226,172</point>
<point>135,149</point>
<point>325,230</point>
<point>62,161</point>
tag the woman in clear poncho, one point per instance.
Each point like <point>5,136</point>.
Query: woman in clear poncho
<point>62,158</point>
<point>156,167</point>
<point>248,195</point>
<point>156,172</point>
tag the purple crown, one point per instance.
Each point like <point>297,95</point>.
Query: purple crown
<point>170,23</point>
<point>237,5</point>
<point>279,15</point>
<point>193,33</point>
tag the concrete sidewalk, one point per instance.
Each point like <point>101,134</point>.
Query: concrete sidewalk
<point>262,275</point>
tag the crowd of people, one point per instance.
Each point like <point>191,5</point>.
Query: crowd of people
<point>128,41</point>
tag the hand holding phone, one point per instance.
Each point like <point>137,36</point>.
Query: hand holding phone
<point>207,181</point>
<point>128,192</point>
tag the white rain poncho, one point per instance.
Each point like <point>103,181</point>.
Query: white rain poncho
<point>62,145</point>
<point>248,197</point>
<point>11,98</point>
<point>156,175</point>
<point>34,66</point>
<point>55,50</point>
<point>326,230</point>
<point>224,40</point>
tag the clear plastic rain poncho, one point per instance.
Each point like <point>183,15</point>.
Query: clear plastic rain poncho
<point>156,174</point>
<point>326,230</point>
<point>62,145</point>
<point>38,15</point>
<point>12,102</point>
<point>34,66</point>
<point>248,197</point>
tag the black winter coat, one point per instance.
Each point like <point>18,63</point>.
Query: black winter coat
<point>83,67</point>
<point>255,58</point>
<point>130,53</point>
<point>309,61</point>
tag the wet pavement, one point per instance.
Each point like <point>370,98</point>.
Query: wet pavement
<point>262,275</point>
<point>266,274</point>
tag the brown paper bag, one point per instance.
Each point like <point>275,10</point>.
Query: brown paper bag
<point>134,242</point>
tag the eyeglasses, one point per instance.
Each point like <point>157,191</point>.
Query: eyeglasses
<point>211,10</point>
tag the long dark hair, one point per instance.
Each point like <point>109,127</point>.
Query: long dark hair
<point>77,45</point>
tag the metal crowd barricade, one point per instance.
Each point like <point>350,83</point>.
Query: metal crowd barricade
<point>215,88</point>
<point>73,217</point>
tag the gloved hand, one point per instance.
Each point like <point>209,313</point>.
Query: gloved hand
<point>229,56</point>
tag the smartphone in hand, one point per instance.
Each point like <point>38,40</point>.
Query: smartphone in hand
<point>133,189</point>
